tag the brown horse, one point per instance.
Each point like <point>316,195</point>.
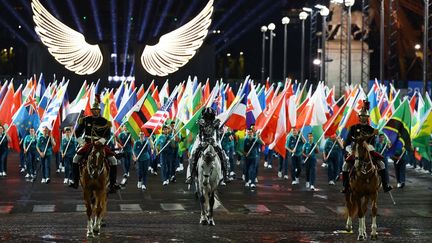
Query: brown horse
<point>364,186</point>
<point>94,178</point>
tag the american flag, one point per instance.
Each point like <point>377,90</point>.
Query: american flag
<point>162,114</point>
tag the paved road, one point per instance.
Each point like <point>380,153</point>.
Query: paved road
<point>276,211</point>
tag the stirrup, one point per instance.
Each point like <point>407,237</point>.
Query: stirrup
<point>387,188</point>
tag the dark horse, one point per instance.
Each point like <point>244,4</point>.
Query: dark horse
<point>364,186</point>
<point>94,178</point>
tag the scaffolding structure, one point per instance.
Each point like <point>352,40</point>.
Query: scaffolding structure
<point>313,44</point>
<point>365,68</point>
<point>343,71</point>
<point>393,67</point>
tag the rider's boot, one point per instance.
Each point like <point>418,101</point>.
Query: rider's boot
<point>113,179</point>
<point>345,181</point>
<point>224,163</point>
<point>385,185</point>
<point>76,176</point>
<point>194,172</point>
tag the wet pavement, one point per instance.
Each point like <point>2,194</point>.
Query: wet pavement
<point>275,212</point>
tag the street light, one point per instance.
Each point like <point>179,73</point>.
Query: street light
<point>285,22</point>
<point>271,27</point>
<point>263,30</point>
<point>417,47</point>
<point>349,4</point>
<point>324,12</point>
<point>302,16</point>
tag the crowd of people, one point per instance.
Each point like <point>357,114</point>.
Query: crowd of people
<point>160,153</point>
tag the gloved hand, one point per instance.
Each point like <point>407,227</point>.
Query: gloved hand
<point>80,140</point>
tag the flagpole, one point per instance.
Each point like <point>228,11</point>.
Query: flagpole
<point>397,162</point>
<point>331,149</point>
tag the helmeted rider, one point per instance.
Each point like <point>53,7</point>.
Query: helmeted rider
<point>355,131</point>
<point>209,133</point>
<point>94,128</point>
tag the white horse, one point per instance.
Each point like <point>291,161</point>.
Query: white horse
<point>209,176</point>
<point>356,20</point>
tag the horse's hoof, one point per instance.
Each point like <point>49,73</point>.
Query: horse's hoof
<point>90,235</point>
<point>211,223</point>
<point>374,237</point>
<point>361,238</point>
<point>203,222</point>
<point>96,232</point>
<point>348,228</point>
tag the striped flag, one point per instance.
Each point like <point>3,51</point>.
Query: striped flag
<point>52,111</point>
<point>162,114</point>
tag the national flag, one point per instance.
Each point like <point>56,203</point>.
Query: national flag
<point>279,141</point>
<point>374,112</point>
<point>6,105</point>
<point>127,106</point>
<point>237,118</point>
<point>40,89</point>
<point>74,112</point>
<point>26,117</point>
<point>399,125</point>
<point>268,120</point>
<point>421,140</point>
<point>253,108</point>
<point>3,91</point>
<point>162,114</point>
<point>53,108</point>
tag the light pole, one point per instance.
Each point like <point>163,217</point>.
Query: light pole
<point>263,30</point>
<point>425,45</point>
<point>349,4</point>
<point>303,16</point>
<point>271,27</point>
<point>324,12</point>
<point>285,22</point>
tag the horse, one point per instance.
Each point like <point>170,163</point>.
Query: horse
<point>94,179</point>
<point>364,185</point>
<point>207,181</point>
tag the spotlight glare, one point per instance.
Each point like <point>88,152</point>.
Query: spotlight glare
<point>19,26</point>
<point>417,46</point>
<point>317,61</point>
<point>228,54</point>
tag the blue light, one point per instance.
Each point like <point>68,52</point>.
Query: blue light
<point>114,33</point>
<point>11,10</point>
<point>162,18</point>
<point>252,24</point>
<point>75,15</point>
<point>132,70</point>
<point>12,30</point>
<point>53,9</point>
<point>127,34</point>
<point>246,18</point>
<point>228,14</point>
<point>145,20</point>
<point>188,12</point>
<point>96,19</point>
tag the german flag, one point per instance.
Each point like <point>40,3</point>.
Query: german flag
<point>140,114</point>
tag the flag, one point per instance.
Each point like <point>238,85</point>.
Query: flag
<point>53,108</point>
<point>6,105</point>
<point>279,141</point>
<point>162,114</point>
<point>267,121</point>
<point>27,117</point>
<point>374,112</point>
<point>236,120</point>
<point>421,140</point>
<point>74,112</point>
<point>127,106</point>
<point>253,108</point>
<point>399,126</point>
<point>136,119</point>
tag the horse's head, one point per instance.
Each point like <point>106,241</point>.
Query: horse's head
<point>361,151</point>
<point>208,166</point>
<point>96,160</point>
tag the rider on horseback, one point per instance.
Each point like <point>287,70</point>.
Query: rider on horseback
<point>94,128</point>
<point>209,126</point>
<point>357,130</point>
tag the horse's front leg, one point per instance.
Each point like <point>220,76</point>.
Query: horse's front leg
<point>374,233</point>
<point>203,219</point>
<point>100,209</point>
<point>361,216</point>
<point>89,211</point>
<point>210,215</point>
<point>348,225</point>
